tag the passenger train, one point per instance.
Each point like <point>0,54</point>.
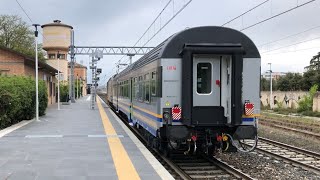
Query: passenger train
<point>197,91</point>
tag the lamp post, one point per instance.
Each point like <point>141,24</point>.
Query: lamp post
<point>58,56</point>
<point>271,99</point>
<point>77,87</point>
<point>37,75</point>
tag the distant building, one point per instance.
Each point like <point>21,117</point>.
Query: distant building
<point>80,77</point>
<point>275,75</point>
<point>15,63</point>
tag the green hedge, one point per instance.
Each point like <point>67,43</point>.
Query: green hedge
<point>18,99</point>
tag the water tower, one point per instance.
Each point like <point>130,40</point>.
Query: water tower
<point>56,38</point>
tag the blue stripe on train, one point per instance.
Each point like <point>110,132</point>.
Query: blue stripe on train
<point>145,113</point>
<point>247,119</point>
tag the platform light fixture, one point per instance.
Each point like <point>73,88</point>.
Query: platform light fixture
<point>37,75</point>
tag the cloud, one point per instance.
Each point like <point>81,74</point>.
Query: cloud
<point>121,22</point>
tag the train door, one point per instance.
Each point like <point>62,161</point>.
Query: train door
<point>131,98</point>
<point>117,91</point>
<point>206,81</point>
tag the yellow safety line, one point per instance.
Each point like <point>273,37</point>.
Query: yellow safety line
<point>252,116</point>
<point>124,167</point>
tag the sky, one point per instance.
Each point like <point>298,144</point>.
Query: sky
<point>122,22</point>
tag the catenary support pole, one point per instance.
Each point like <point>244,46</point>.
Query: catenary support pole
<point>72,54</point>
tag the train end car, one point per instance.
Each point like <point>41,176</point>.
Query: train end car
<point>199,90</point>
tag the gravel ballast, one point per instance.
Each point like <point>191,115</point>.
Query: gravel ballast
<point>263,167</point>
<point>290,138</point>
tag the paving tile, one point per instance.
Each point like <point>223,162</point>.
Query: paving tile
<point>47,155</point>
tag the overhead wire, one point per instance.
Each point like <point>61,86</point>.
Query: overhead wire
<point>279,14</point>
<point>25,12</point>
<point>291,45</point>
<point>163,26</point>
<point>245,13</point>
<point>289,36</point>
<point>293,51</point>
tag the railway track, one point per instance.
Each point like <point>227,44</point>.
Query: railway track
<point>304,130</point>
<point>312,127</point>
<point>305,159</point>
<point>181,166</point>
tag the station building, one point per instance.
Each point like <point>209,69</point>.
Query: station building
<point>13,63</point>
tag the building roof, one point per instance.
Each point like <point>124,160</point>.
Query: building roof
<point>57,23</point>
<point>31,61</point>
<point>77,65</point>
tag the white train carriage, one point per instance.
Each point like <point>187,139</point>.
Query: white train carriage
<point>197,89</point>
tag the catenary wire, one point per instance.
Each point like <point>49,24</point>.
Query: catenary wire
<point>279,14</point>
<point>245,13</point>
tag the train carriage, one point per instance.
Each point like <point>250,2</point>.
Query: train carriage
<point>199,89</point>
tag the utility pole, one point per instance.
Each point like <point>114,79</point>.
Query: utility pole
<point>271,97</point>
<point>58,56</point>
<point>37,75</point>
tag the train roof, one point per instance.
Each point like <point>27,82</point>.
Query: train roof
<point>173,46</point>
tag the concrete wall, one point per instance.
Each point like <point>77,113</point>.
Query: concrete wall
<point>316,102</point>
<point>289,99</point>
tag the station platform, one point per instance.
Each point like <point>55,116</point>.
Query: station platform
<point>76,142</point>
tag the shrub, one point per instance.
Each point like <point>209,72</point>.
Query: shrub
<point>305,104</point>
<point>18,99</point>
<point>64,91</point>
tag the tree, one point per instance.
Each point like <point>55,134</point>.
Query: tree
<point>314,63</point>
<point>16,35</point>
<point>290,82</point>
<point>265,84</point>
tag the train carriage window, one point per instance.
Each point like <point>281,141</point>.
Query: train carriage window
<point>204,78</point>
<point>137,88</point>
<point>153,83</point>
<point>146,88</point>
<point>133,88</point>
<point>127,88</point>
<point>140,92</point>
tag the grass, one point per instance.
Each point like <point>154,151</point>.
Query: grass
<point>301,119</point>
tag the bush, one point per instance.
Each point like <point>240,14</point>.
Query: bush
<point>18,99</point>
<point>64,91</point>
<point>305,104</point>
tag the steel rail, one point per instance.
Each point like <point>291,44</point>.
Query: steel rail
<point>292,160</point>
<point>237,173</point>
<point>291,129</point>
